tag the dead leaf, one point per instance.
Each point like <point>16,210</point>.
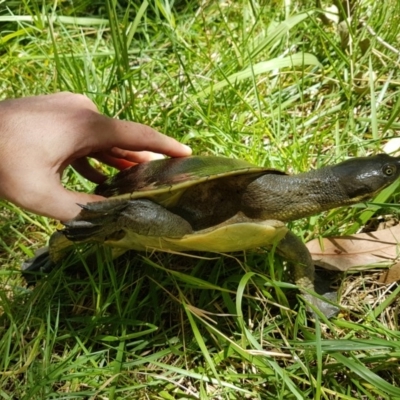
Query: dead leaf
<point>391,275</point>
<point>347,252</point>
<point>392,147</point>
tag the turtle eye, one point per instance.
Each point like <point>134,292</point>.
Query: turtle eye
<point>389,169</point>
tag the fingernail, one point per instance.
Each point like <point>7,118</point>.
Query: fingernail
<point>157,156</point>
<point>189,149</point>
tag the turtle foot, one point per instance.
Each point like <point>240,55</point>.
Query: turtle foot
<point>329,310</point>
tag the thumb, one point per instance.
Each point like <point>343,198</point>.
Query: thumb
<point>69,207</point>
<point>60,203</point>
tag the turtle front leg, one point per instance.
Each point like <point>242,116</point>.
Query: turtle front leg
<point>294,250</point>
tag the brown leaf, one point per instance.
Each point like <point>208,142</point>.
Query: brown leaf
<point>391,275</point>
<point>345,252</point>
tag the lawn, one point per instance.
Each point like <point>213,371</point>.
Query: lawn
<point>279,84</point>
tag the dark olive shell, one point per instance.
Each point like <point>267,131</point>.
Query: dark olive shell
<point>170,174</point>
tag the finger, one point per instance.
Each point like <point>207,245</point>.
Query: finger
<point>118,163</point>
<point>122,159</point>
<point>135,156</point>
<point>137,137</point>
<point>117,158</point>
<point>83,167</point>
<point>66,100</point>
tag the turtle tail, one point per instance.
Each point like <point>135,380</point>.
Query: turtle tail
<point>41,262</point>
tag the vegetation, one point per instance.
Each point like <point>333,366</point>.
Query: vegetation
<point>272,82</point>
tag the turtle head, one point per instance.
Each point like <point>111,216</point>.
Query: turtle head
<point>361,178</point>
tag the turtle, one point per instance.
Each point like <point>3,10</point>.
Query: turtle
<point>218,204</point>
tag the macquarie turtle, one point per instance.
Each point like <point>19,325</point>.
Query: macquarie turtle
<point>219,205</point>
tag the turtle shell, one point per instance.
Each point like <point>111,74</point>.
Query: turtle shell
<point>159,178</point>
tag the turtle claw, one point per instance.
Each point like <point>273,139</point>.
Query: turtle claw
<point>81,230</point>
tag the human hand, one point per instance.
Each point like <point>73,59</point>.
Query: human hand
<point>40,136</point>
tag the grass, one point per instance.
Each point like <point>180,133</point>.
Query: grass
<point>266,83</point>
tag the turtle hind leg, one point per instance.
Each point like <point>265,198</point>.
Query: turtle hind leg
<point>94,222</point>
<point>294,250</point>
<point>101,220</point>
<point>81,231</point>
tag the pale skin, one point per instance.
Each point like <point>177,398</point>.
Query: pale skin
<point>40,136</point>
